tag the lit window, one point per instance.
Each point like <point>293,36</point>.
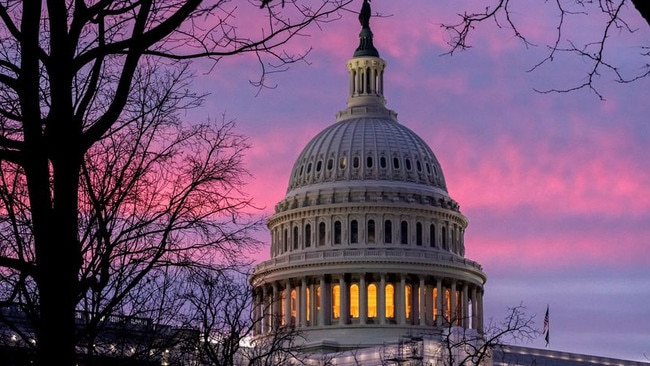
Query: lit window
<point>408,301</point>
<point>354,300</point>
<point>336,301</point>
<point>372,300</point>
<point>390,301</point>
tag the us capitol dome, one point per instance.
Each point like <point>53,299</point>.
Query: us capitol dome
<point>367,245</point>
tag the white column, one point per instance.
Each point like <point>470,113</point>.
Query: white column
<point>401,300</point>
<point>363,299</point>
<point>465,306</point>
<point>275,307</point>
<point>287,303</point>
<point>302,308</point>
<point>422,305</point>
<point>382,298</point>
<point>474,309</point>
<point>265,310</point>
<point>454,304</point>
<point>323,301</point>
<point>344,301</point>
<point>440,301</point>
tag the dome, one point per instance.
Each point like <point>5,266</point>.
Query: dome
<point>367,245</point>
<point>367,149</point>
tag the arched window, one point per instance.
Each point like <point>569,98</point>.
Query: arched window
<point>343,162</point>
<point>283,308</point>
<point>372,300</point>
<point>330,164</point>
<point>286,240</point>
<point>371,231</point>
<point>354,231</point>
<point>354,301</point>
<point>404,232</point>
<point>388,232</point>
<point>321,233</point>
<point>369,162</point>
<point>382,162</point>
<point>337,232</point>
<point>436,311</point>
<point>294,306</point>
<point>396,163</point>
<point>432,235</point>
<point>355,162</point>
<point>307,304</point>
<point>336,301</point>
<point>418,234</point>
<point>295,237</point>
<point>408,301</point>
<point>390,301</point>
<point>408,164</point>
<point>307,235</point>
<point>444,238</point>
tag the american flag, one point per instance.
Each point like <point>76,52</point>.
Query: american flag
<point>545,329</point>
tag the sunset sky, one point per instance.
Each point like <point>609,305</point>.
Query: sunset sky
<point>556,186</point>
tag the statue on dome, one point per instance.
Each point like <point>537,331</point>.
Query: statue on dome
<point>364,14</point>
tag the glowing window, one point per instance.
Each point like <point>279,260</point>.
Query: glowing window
<point>283,309</point>
<point>390,301</point>
<point>294,306</point>
<point>343,162</point>
<point>308,304</point>
<point>447,301</point>
<point>408,301</point>
<point>372,300</point>
<point>317,298</point>
<point>336,301</point>
<point>354,300</point>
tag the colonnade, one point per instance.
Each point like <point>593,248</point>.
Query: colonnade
<point>368,298</point>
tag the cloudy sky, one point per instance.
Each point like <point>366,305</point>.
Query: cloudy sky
<point>556,186</point>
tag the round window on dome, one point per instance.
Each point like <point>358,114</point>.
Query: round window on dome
<point>343,163</point>
<point>408,164</point>
<point>396,163</point>
<point>330,164</point>
<point>369,162</point>
<point>382,162</point>
<point>308,168</point>
<point>319,166</point>
<point>355,162</point>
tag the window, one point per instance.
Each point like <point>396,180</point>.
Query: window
<point>408,164</point>
<point>408,301</point>
<point>307,235</point>
<point>436,311</point>
<point>337,232</point>
<point>343,162</point>
<point>404,232</point>
<point>286,240</point>
<point>432,235</point>
<point>418,234</point>
<point>372,300</point>
<point>319,165</point>
<point>396,163</point>
<point>308,304</point>
<point>330,164</point>
<point>354,301</point>
<point>390,300</point>
<point>371,231</point>
<point>294,306</point>
<point>354,231</point>
<point>283,309</point>
<point>444,238</point>
<point>369,162</point>
<point>295,237</point>
<point>388,232</point>
<point>382,162</point>
<point>321,233</point>
<point>355,162</point>
<point>336,301</point>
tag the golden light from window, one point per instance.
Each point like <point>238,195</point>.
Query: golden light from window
<point>336,301</point>
<point>354,300</point>
<point>390,301</point>
<point>372,300</point>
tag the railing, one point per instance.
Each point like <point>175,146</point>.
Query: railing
<point>365,253</point>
